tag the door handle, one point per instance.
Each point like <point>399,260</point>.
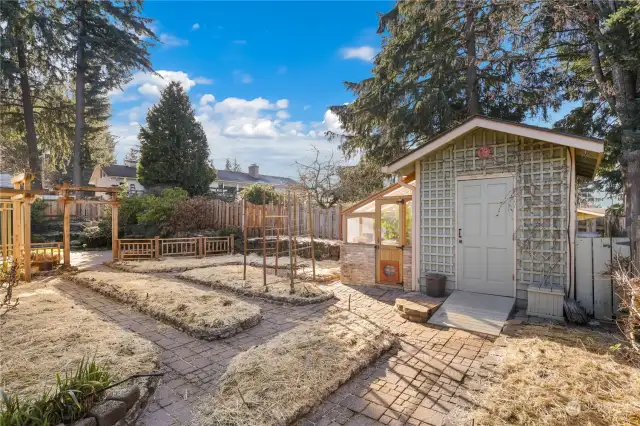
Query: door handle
<point>459,232</point>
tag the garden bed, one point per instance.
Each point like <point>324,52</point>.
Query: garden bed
<point>554,375</point>
<point>49,332</point>
<point>326,270</point>
<point>204,314</point>
<point>229,277</point>
<point>283,379</point>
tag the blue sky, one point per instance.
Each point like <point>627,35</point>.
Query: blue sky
<point>261,75</point>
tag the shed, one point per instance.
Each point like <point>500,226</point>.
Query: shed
<point>496,208</point>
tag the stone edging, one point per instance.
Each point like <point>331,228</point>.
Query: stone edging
<point>122,406</point>
<point>205,333</point>
<point>290,300</point>
<point>119,265</point>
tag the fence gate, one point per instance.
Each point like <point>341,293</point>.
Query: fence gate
<point>595,290</point>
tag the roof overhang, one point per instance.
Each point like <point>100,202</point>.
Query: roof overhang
<point>594,147</point>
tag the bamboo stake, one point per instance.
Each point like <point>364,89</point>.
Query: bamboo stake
<point>244,232</point>
<point>278,222</point>
<point>290,241</point>
<point>313,247</point>
<point>66,231</point>
<point>295,239</point>
<point>264,242</point>
<point>4,228</point>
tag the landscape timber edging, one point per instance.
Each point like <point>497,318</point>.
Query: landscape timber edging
<point>205,333</point>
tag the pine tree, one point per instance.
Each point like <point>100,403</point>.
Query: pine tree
<point>440,63</point>
<point>173,145</point>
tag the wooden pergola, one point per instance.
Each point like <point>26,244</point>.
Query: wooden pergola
<point>15,218</point>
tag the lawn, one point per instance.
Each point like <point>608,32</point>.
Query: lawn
<point>202,313</point>
<point>284,378</point>
<point>554,375</point>
<point>326,270</point>
<point>230,277</point>
<point>49,333</point>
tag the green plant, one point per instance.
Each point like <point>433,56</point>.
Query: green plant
<point>37,211</point>
<point>157,211</point>
<point>73,394</point>
<point>258,193</point>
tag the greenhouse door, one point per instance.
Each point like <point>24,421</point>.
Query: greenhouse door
<point>391,233</point>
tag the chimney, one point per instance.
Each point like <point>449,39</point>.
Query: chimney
<point>253,170</point>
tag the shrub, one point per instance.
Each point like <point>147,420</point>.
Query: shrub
<point>157,211</point>
<point>193,214</point>
<point>37,211</point>
<point>70,399</point>
<point>257,193</point>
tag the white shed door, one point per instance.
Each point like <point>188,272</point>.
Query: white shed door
<point>485,237</point>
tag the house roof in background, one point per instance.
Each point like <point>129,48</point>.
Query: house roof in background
<point>241,177</point>
<point>119,170</point>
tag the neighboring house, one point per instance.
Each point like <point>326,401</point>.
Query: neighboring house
<point>496,205</point>
<point>114,175</point>
<point>227,180</point>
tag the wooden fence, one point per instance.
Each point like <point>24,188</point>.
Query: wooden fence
<point>87,211</point>
<point>595,290</point>
<point>149,248</point>
<point>220,214</point>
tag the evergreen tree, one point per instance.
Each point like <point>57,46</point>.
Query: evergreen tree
<point>110,41</point>
<point>440,63</point>
<point>173,145</point>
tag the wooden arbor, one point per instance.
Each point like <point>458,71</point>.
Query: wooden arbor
<point>15,219</point>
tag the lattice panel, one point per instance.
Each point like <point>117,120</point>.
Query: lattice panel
<point>540,198</point>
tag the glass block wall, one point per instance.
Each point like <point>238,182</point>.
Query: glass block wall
<point>540,198</point>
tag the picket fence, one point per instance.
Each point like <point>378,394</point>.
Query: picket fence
<point>326,222</point>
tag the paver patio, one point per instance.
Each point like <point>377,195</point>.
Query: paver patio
<point>419,383</point>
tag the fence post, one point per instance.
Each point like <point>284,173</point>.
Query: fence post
<point>156,245</point>
<point>203,247</point>
<point>232,244</point>
<point>313,248</point>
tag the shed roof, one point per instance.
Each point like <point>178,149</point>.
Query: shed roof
<point>119,170</point>
<point>588,150</point>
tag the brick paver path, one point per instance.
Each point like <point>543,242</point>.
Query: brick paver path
<point>420,382</point>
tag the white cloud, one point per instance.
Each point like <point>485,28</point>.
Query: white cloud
<point>282,103</point>
<point>169,40</point>
<point>241,42</point>
<point>149,89</point>
<point>203,80</point>
<point>306,107</point>
<point>282,114</point>
<point>207,99</point>
<point>195,26</point>
<point>151,85</point>
<point>242,77</point>
<point>365,53</point>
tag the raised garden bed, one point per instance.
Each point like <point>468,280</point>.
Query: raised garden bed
<point>277,382</point>
<point>229,278</point>
<point>49,332</point>
<point>204,314</point>
<point>326,270</point>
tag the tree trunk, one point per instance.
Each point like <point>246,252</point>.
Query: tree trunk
<point>472,71</point>
<point>29,121</point>
<point>632,166</point>
<point>80,101</point>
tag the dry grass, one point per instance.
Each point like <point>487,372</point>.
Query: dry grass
<point>326,270</point>
<point>276,382</point>
<point>229,277</point>
<point>551,369</point>
<point>49,333</point>
<point>202,313</point>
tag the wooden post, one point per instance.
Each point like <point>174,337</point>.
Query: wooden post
<point>156,245</point>
<point>17,226</point>
<point>4,229</point>
<point>277,239</point>
<point>290,240</point>
<point>244,235</point>
<point>203,246</point>
<point>232,244</point>
<point>66,230</point>
<point>264,242</point>
<point>340,229</point>
<point>114,228</point>
<point>313,248</point>
<point>295,240</point>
